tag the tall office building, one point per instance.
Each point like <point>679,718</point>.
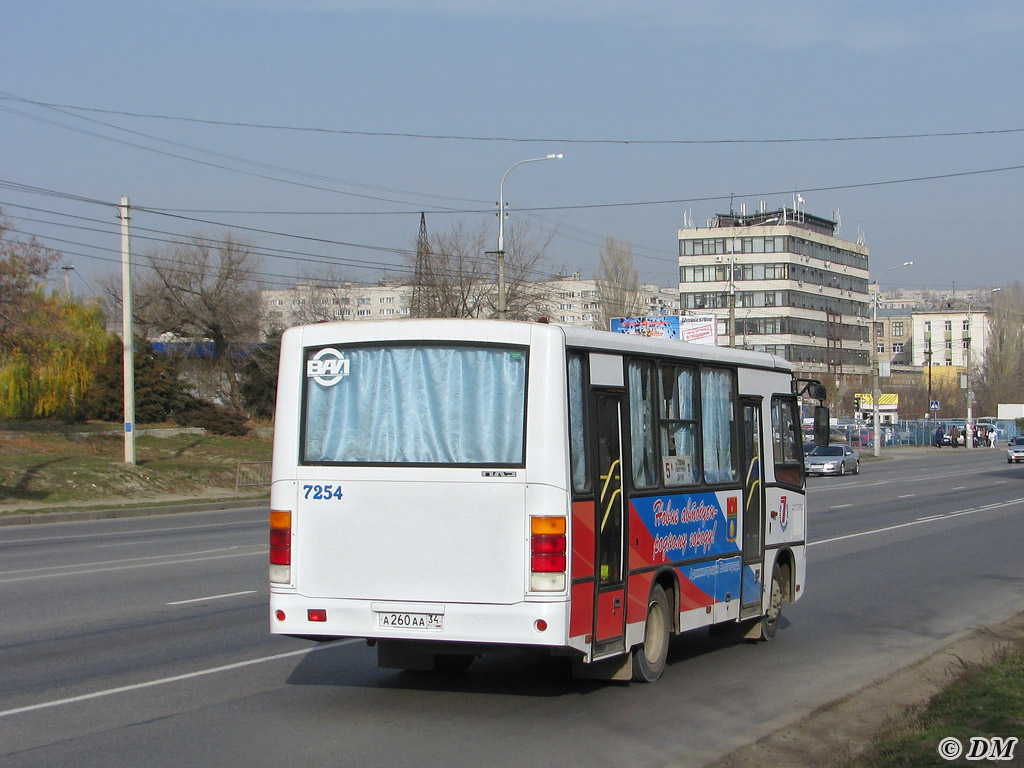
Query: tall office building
<point>781,282</point>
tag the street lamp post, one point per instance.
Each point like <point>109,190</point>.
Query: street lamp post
<point>876,393</point>
<point>502,307</point>
<point>969,424</point>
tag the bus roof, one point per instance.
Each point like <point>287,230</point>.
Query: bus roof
<point>496,331</point>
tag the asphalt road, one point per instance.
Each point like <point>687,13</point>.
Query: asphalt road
<point>144,642</point>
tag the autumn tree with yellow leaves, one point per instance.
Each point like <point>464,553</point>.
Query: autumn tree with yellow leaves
<point>50,346</point>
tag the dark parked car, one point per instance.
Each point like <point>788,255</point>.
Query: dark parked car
<point>832,460</point>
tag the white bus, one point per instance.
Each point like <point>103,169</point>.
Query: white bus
<point>444,488</point>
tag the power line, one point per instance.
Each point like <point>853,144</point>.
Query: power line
<point>513,139</point>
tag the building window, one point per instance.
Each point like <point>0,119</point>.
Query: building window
<point>881,348</point>
<point>897,348</point>
<point>897,329</point>
<point>949,344</point>
<point>927,326</point>
<point>949,325</point>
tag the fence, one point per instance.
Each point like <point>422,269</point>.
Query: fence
<point>913,431</point>
<point>252,474</point>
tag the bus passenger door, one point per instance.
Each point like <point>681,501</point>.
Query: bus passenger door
<point>753,509</point>
<point>610,615</point>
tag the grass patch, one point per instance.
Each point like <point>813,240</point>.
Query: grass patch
<point>53,465</point>
<point>983,700</point>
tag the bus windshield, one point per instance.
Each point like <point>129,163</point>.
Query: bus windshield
<point>416,404</point>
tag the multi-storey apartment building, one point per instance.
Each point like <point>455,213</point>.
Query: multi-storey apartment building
<point>566,300</point>
<point>781,282</point>
<point>318,303</point>
<point>957,337</point>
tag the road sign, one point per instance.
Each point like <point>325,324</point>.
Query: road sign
<point>934,405</point>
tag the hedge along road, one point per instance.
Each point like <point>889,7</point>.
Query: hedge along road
<point>146,639</point>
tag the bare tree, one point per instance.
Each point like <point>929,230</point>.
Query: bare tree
<point>454,277</point>
<point>1003,369</point>
<point>618,283</point>
<point>203,291</point>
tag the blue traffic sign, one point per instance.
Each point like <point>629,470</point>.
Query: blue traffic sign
<point>934,405</point>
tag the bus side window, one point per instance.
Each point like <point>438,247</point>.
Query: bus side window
<point>786,440</point>
<point>641,423</point>
<point>717,408</point>
<point>678,425</point>
<point>577,422</point>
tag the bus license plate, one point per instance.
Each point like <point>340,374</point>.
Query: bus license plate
<point>411,620</point>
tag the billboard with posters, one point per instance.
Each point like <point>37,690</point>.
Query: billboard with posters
<point>699,329</point>
<point>661,327</point>
<point>696,329</point>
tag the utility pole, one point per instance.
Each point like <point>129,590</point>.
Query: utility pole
<point>67,280</point>
<point>876,391</point>
<point>732,296</point>
<point>126,335</point>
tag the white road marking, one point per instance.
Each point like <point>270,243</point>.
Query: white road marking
<point>146,531</point>
<point>841,506</point>
<point>958,513</point>
<point>165,560</point>
<point>907,496</point>
<point>213,597</point>
<point>174,679</point>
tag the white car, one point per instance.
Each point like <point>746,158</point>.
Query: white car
<point>832,460</point>
<point>1015,451</point>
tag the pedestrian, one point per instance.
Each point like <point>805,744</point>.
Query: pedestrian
<point>954,436</point>
<point>938,437</point>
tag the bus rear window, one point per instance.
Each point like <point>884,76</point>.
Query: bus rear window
<point>440,405</point>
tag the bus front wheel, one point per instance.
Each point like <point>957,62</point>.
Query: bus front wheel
<point>649,658</point>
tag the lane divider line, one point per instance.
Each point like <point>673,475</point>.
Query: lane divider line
<point>173,679</point>
<point>213,597</point>
<point>262,552</point>
<point>959,513</point>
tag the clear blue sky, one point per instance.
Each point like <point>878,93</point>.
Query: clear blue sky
<point>660,108</point>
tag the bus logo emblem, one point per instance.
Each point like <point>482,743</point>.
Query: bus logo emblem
<point>327,367</point>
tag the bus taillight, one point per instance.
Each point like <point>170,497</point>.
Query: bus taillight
<point>547,554</point>
<point>280,546</point>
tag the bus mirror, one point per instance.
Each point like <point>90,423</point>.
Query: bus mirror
<point>811,388</point>
<point>821,425</point>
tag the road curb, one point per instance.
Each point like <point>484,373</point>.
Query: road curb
<point>82,515</point>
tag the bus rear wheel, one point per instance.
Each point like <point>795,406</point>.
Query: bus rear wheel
<point>649,658</point>
<point>773,617</point>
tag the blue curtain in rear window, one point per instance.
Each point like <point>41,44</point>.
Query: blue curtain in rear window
<point>420,405</point>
